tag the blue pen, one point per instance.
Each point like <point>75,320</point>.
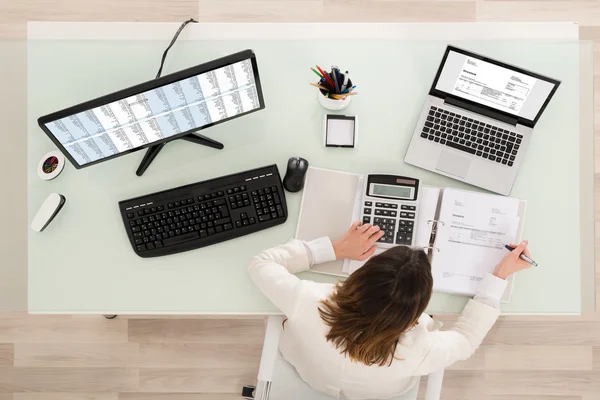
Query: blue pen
<point>348,90</point>
<point>522,256</point>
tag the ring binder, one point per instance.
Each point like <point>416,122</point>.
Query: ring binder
<point>431,248</point>
<point>436,222</point>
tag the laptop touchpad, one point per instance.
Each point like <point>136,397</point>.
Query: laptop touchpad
<point>453,164</point>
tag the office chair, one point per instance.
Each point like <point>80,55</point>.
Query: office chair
<point>278,379</point>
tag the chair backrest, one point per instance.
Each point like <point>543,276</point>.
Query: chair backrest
<point>287,385</point>
<point>278,379</point>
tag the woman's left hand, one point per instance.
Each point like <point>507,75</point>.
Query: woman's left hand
<point>358,243</point>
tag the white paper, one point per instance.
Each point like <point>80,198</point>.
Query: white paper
<point>340,132</point>
<point>493,85</point>
<point>471,238</point>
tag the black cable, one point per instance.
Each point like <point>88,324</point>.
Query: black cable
<point>164,56</point>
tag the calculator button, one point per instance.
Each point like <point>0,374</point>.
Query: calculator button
<point>368,204</point>
<point>378,205</point>
<point>393,213</point>
<point>386,213</point>
<point>411,215</point>
<point>403,207</point>
<point>402,229</point>
<point>402,214</point>
<point>403,223</point>
<point>367,211</point>
<point>377,221</point>
<point>378,212</point>
<point>412,208</point>
<point>366,220</point>
<point>400,238</point>
<point>394,206</point>
<point>410,223</point>
<point>408,238</point>
<point>409,229</point>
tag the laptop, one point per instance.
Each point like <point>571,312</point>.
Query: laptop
<point>478,120</point>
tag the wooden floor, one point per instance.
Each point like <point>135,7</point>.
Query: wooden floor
<point>90,358</point>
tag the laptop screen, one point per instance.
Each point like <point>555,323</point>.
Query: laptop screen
<point>494,84</point>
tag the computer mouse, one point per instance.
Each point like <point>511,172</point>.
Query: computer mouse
<point>295,174</point>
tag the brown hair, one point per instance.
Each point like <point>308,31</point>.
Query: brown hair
<point>369,312</point>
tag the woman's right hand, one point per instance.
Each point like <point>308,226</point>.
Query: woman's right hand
<point>358,243</point>
<point>511,263</point>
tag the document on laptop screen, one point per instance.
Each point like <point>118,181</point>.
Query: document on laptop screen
<point>493,86</point>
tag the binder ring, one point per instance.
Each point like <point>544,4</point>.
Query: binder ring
<point>431,248</point>
<point>431,221</point>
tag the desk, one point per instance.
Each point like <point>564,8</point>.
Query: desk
<point>83,262</point>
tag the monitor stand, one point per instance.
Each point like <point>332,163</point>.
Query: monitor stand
<point>153,151</point>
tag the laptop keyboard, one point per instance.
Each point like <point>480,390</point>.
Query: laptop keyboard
<point>471,136</point>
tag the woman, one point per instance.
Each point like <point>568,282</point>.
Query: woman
<point>368,337</point>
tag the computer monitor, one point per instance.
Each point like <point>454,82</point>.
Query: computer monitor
<point>157,111</point>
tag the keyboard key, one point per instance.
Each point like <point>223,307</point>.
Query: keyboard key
<point>510,163</point>
<point>460,147</point>
<point>492,158</point>
<point>222,221</point>
<point>180,239</point>
<point>262,218</point>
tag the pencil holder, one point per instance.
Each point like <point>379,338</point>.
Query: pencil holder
<point>333,104</point>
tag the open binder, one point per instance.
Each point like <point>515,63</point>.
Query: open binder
<point>329,205</point>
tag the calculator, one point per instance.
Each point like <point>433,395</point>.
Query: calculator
<point>392,203</point>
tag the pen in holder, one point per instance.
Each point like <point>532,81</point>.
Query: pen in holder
<point>335,88</point>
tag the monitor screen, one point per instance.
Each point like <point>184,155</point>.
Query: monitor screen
<point>492,84</point>
<point>136,120</point>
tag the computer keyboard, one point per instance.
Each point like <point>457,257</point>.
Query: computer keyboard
<point>204,213</point>
<point>471,136</point>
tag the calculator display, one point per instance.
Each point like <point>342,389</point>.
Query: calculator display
<point>402,192</point>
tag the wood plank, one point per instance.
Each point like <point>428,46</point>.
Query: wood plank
<point>200,355</point>
<point>201,380</point>
<point>529,397</point>
<point>76,354</point>
<point>179,396</point>
<point>196,331</point>
<point>538,383</point>
<point>544,333</point>
<point>462,385</point>
<point>585,12</point>
<point>73,380</point>
<point>66,396</point>
<point>6,354</point>
<point>260,11</point>
<point>500,357</point>
<point>50,329</point>
<point>397,11</point>
<point>336,11</point>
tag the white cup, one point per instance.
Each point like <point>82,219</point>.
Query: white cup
<point>333,104</point>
